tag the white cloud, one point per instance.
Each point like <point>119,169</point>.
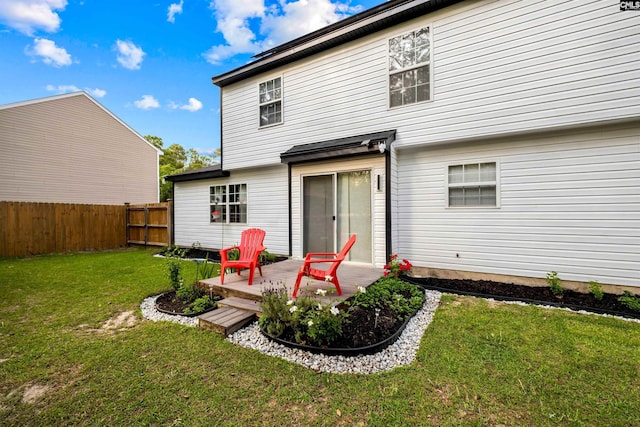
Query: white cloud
<point>95,92</point>
<point>147,102</point>
<point>279,23</point>
<point>297,18</point>
<point>129,55</point>
<point>174,9</point>
<point>193,105</point>
<point>49,53</point>
<point>233,22</point>
<point>27,16</point>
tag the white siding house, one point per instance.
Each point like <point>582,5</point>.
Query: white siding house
<point>494,139</point>
<point>70,149</point>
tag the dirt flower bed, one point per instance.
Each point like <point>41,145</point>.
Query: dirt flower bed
<point>368,318</point>
<point>607,304</point>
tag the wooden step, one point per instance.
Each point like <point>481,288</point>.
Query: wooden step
<point>225,320</point>
<point>241,303</point>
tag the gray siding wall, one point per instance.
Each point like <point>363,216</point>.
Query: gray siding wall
<point>70,150</point>
<point>569,202</point>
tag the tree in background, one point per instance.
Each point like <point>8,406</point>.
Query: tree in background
<point>175,160</point>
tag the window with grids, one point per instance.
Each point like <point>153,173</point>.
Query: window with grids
<point>473,184</point>
<point>409,68</point>
<point>228,203</point>
<point>270,93</point>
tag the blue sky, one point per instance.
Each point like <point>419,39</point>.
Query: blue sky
<point>148,62</point>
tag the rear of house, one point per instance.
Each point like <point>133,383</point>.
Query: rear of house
<point>70,149</point>
<point>481,139</point>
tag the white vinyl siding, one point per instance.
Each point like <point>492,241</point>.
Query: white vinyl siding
<point>570,202</point>
<point>267,208</point>
<point>499,68</point>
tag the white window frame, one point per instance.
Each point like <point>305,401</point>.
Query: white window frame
<point>228,198</point>
<point>274,101</point>
<point>472,184</point>
<point>428,64</point>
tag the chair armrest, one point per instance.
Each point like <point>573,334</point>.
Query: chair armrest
<point>223,253</point>
<point>320,261</point>
<point>317,254</point>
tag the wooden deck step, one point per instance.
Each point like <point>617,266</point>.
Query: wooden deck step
<point>225,320</point>
<point>241,303</point>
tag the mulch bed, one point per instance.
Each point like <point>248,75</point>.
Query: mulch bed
<point>214,256</point>
<point>530,294</point>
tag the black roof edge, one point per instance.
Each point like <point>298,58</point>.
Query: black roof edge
<point>364,23</point>
<point>338,148</point>
<point>194,175</point>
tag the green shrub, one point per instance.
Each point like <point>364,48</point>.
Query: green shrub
<point>173,267</point>
<point>275,313</point>
<point>555,283</point>
<point>629,300</point>
<point>596,290</point>
<point>393,293</point>
<point>310,321</point>
<point>200,304</point>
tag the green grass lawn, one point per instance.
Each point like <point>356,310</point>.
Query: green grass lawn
<point>479,363</point>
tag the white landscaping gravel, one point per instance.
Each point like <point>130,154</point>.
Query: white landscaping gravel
<point>401,353</point>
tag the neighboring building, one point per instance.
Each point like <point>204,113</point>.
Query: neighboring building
<point>70,149</point>
<point>481,139</point>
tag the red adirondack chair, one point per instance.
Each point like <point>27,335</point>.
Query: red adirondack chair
<point>329,274</point>
<point>250,247</point>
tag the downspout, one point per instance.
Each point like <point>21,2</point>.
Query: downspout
<point>221,156</point>
<point>173,217</point>
<point>387,203</point>
<point>290,213</point>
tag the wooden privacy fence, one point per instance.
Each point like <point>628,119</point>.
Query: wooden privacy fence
<point>28,228</point>
<point>149,224</point>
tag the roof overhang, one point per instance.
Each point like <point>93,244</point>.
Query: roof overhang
<point>207,172</point>
<point>361,145</point>
<point>354,27</point>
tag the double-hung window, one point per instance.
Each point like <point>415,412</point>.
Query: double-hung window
<point>473,184</point>
<point>270,99</point>
<point>410,68</point>
<point>228,203</point>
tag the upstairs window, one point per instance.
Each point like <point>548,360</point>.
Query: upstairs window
<point>473,184</point>
<point>409,68</point>
<point>228,203</point>
<point>270,93</point>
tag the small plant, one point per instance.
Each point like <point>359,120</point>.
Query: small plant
<point>630,301</point>
<point>200,304</point>
<point>266,257</point>
<point>308,319</point>
<point>555,283</point>
<point>205,269</point>
<point>596,290</point>
<point>173,267</point>
<point>392,293</point>
<point>397,268</point>
<point>275,313</point>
